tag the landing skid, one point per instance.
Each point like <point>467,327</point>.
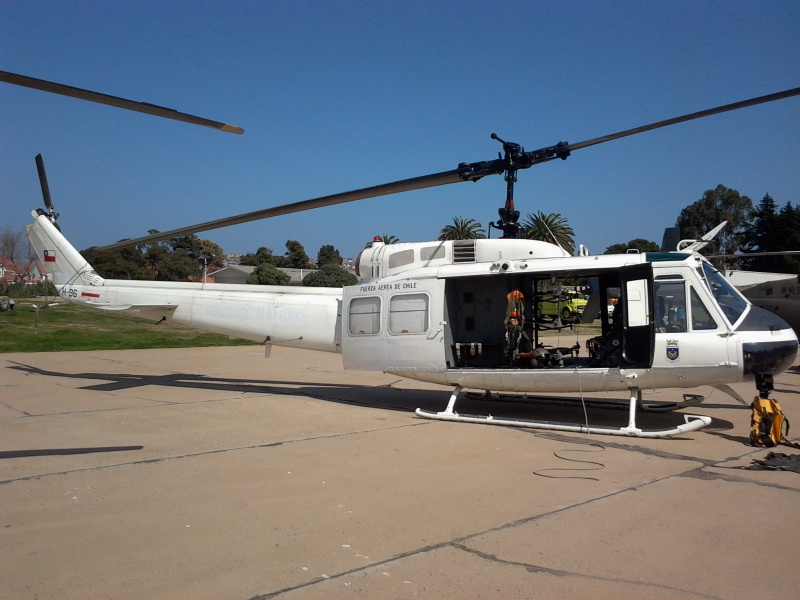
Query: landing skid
<point>644,406</point>
<point>692,422</point>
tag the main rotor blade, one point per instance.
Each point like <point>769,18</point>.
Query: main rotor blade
<point>405,185</point>
<point>464,172</point>
<point>143,107</point>
<point>43,182</point>
<point>749,254</point>
<point>689,117</point>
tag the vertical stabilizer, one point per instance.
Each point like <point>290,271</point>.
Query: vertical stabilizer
<point>60,258</point>
<point>672,235</point>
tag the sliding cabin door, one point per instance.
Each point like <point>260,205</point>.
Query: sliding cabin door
<point>394,327</point>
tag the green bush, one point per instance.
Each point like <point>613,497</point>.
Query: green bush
<point>267,274</point>
<point>30,290</point>
<point>330,275</point>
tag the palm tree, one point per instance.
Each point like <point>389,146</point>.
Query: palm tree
<point>462,229</point>
<point>552,228</point>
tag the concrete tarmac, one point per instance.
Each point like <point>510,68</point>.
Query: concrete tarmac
<point>214,473</point>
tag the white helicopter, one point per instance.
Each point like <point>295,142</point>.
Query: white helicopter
<point>468,313</point>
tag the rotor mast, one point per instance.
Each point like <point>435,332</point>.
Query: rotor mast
<point>509,216</point>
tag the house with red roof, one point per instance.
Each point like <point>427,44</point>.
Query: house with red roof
<point>25,272</point>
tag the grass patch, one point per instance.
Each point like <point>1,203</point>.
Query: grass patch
<point>72,327</point>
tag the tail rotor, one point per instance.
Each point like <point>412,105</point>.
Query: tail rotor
<point>48,202</point>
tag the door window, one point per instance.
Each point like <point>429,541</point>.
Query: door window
<point>365,316</point>
<point>408,313</point>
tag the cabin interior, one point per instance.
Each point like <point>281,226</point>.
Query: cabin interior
<point>499,322</point>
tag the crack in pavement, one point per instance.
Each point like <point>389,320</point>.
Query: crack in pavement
<point>9,407</point>
<point>459,543</point>
<point>701,472</point>
<point>561,573</point>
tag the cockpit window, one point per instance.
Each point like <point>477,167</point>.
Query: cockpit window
<point>730,301</point>
<point>670,306</point>
<point>701,318</point>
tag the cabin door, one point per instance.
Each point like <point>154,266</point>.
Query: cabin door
<point>394,326</point>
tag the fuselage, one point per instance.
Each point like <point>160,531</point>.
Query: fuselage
<point>438,312</point>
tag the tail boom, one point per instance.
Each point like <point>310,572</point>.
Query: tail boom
<point>279,315</point>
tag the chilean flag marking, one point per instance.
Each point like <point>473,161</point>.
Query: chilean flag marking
<point>49,256</point>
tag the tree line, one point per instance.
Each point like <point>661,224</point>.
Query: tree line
<point>749,229</point>
<point>766,227</point>
<point>179,259</point>
<point>328,271</point>
<point>187,258</point>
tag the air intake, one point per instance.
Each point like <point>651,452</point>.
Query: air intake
<point>463,251</point>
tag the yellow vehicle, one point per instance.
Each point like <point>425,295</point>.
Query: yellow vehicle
<point>568,305</point>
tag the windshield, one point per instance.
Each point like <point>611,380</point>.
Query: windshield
<point>730,301</point>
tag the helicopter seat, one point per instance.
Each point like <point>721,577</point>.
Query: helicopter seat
<point>593,346</point>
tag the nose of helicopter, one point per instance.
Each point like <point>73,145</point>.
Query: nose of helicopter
<point>769,344</point>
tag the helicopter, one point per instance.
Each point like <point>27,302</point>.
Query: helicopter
<point>468,313</point>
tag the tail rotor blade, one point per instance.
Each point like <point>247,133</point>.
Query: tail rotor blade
<point>48,202</point>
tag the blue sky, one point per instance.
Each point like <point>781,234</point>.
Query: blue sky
<point>335,96</point>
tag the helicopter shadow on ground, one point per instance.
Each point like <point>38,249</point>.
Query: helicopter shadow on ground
<point>65,451</point>
<point>740,439</point>
<point>794,370</point>
<point>388,397</point>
